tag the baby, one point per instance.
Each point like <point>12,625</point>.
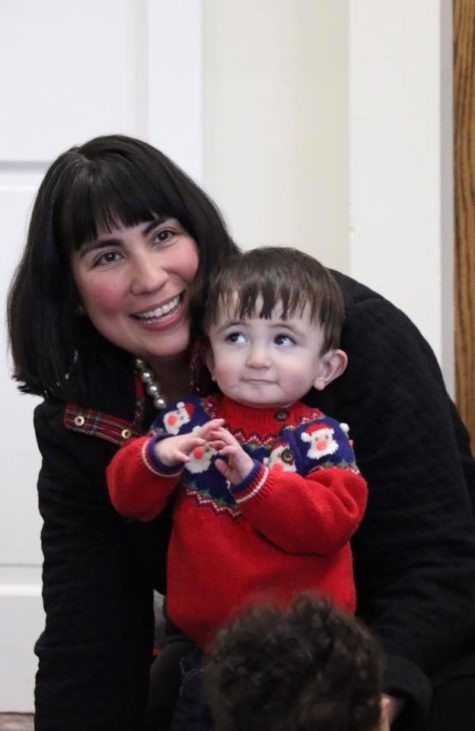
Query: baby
<point>266,491</point>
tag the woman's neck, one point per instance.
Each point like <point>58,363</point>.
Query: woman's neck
<point>173,375</point>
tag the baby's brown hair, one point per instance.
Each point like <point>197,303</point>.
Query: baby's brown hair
<point>276,276</point>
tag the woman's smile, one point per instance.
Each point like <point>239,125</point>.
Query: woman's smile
<point>160,313</point>
<point>134,284</point>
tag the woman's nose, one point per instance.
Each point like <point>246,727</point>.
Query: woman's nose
<point>147,275</point>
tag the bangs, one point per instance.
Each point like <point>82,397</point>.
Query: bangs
<point>264,300</point>
<point>100,198</point>
<point>276,282</point>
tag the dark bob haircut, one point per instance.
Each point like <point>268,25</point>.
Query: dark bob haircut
<point>106,182</point>
<point>308,668</point>
<point>282,278</point>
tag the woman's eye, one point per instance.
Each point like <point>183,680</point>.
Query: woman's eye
<point>164,235</point>
<point>108,257</point>
<point>284,340</point>
<point>235,338</point>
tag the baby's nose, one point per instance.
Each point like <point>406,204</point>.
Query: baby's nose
<point>259,358</point>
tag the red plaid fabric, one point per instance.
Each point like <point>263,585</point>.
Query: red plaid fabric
<point>99,424</point>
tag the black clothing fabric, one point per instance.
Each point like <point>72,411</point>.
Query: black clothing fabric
<point>95,651</point>
<point>165,682</point>
<point>414,553</point>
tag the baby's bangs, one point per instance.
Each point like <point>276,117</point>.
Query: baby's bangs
<point>98,201</point>
<point>261,298</point>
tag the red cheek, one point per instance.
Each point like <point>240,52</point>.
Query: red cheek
<point>172,420</point>
<point>198,452</point>
<point>101,299</point>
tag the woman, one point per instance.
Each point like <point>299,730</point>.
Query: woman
<point>98,307</point>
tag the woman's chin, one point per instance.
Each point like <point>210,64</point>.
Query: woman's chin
<point>175,350</point>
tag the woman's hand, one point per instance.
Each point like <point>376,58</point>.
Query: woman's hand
<point>178,450</point>
<point>238,464</point>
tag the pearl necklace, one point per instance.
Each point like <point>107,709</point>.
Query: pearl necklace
<point>152,387</point>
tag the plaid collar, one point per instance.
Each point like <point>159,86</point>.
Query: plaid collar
<point>105,426</point>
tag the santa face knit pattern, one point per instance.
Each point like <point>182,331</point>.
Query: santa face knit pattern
<point>286,528</point>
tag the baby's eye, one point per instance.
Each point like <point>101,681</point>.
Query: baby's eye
<point>285,340</point>
<point>235,337</point>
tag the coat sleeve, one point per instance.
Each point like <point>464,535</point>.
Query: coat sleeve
<point>94,653</point>
<point>415,550</point>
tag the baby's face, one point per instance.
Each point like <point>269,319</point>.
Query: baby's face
<point>266,362</point>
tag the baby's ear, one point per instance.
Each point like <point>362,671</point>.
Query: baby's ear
<point>332,365</point>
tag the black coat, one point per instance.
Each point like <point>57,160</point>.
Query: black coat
<point>414,553</point>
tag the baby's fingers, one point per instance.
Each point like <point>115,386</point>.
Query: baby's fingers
<point>205,429</point>
<point>228,450</point>
<point>216,444</point>
<point>224,435</point>
<point>180,457</point>
<point>190,442</point>
<point>223,467</point>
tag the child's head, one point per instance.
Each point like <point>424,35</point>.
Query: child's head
<point>273,322</point>
<point>310,667</point>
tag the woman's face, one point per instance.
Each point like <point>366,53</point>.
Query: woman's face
<point>134,285</point>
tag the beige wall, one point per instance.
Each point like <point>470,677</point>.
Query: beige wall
<point>327,126</point>
<point>276,122</point>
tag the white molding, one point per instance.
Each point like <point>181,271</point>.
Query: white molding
<point>22,621</point>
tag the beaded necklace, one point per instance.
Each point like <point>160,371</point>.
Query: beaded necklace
<point>152,387</point>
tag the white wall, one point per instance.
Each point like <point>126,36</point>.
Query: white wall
<point>20,604</point>
<point>276,122</point>
<point>328,127</point>
<point>401,179</point>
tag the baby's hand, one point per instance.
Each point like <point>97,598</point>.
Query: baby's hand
<point>238,464</point>
<point>176,450</point>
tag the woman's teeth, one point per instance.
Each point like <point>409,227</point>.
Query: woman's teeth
<point>160,311</point>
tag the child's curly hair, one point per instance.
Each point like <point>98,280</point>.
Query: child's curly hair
<point>308,668</point>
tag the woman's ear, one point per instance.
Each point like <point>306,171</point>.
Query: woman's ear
<point>384,722</point>
<point>332,365</point>
<point>209,360</point>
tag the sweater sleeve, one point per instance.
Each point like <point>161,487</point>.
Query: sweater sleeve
<point>139,487</point>
<point>415,551</point>
<point>94,653</point>
<point>317,513</point>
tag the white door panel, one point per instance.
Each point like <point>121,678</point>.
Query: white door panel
<point>71,71</point>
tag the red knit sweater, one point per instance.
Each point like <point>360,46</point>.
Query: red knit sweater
<point>277,533</point>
